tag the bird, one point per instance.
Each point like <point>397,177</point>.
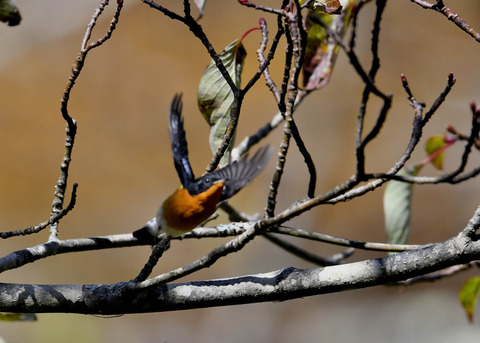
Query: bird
<point>196,199</point>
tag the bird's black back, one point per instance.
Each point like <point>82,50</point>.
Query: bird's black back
<point>237,174</point>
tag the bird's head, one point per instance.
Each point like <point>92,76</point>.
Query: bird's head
<point>204,183</point>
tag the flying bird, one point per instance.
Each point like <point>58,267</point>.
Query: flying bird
<point>196,199</point>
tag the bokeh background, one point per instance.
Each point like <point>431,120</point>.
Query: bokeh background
<point>122,163</point>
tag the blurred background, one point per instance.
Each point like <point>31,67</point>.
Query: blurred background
<point>123,165</point>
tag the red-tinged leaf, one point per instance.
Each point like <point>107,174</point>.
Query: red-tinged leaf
<point>435,148</point>
<point>397,201</point>
<point>215,97</point>
<point>325,6</point>
<point>9,12</point>
<point>333,6</point>
<point>468,296</point>
<point>322,50</point>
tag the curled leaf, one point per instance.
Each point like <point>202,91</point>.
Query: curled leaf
<point>215,97</point>
<point>397,201</point>
<point>322,50</point>
<point>9,12</point>
<point>468,296</point>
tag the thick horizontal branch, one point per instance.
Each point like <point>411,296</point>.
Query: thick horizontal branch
<point>19,258</point>
<point>285,284</point>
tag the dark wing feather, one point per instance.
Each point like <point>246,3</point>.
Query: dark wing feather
<point>179,142</point>
<point>238,174</point>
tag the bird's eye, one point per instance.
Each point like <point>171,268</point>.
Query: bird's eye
<point>207,180</point>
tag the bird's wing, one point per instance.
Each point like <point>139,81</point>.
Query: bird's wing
<point>179,142</point>
<point>237,174</point>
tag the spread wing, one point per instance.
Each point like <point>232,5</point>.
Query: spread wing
<point>237,174</point>
<point>179,142</point>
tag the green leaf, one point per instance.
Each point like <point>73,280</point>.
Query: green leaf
<point>468,296</point>
<point>397,201</point>
<point>322,50</point>
<point>215,97</point>
<point>9,12</point>
<point>17,317</point>
<point>435,145</point>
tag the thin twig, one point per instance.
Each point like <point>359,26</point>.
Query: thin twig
<point>53,219</point>
<point>238,94</point>
<point>206,261</point>
<point>320,237</point>
<point>353,60</point>
<point>158,249</point>
<point>279,11</point>
<point>61,185</point>
<point>298,39</point>
<point>235,216</point>
<point>454,176</point>
<point>435,276</point>
<point>285,143</point>
<point>249,141</point>
<point>261,59</point>
<point>356,10</point>
<point>361,142</point>
<point>450,15</point>
<point>308,256</point>
<point>441,98</point>
<point>264,131</point>
<point>264,62</point>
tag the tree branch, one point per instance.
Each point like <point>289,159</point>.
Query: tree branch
<point>450,15</point>
<point>280,285</point>
<point>71,130</point>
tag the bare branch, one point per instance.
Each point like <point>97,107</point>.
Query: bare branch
<point>20,258</point>
<point>308,256</point>
<point>452,16</point>
<point>320,237</point>
<point>71,130</point>
<point>279,11</point>
<point>361,143</point>
<point>274,286</point>
<point>439,275</point>
<point>157,252</point>
<point>238,94</point>
<point>264,62</point>
<point>287,246</point>
<point>52,220</point>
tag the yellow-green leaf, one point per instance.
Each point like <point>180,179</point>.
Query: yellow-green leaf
<point>435,145</point>
<point>397,201</point>
<point>9,12</point>
<point>215,97</point>
<point>17,317</point>
<point>322,50</point>
<point>468,296</point>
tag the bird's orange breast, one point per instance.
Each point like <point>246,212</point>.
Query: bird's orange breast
<point>183,212</point>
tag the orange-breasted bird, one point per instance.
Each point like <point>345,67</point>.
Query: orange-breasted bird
<point>197,198</point>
